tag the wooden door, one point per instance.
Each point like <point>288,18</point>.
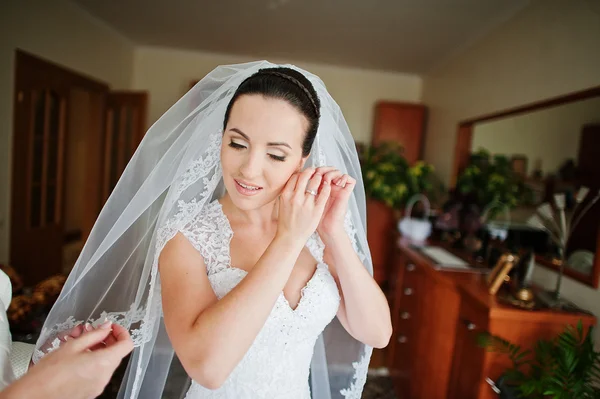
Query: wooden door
<point>403,123</point>
<point>40,133</point>
<point>36,218</point>
<point>84,161</point>
<point>125,128</point>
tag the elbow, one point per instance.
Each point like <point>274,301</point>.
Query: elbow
<point>377,338</point>
<point>382,335</point>
<point>208,377</point>
<point>383,338</point>
<point>206,373</point>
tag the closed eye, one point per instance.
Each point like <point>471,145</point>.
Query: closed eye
<point>236,146</point>
<point>277,158</point>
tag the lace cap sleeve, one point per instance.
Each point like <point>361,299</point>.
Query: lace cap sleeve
<point>208,233</point>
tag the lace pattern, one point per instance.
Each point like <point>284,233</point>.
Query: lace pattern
<point>206,168</point>
<point>361,369</point>
<point>288,335</point>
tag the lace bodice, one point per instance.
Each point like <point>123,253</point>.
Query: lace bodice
<point>278,362</point>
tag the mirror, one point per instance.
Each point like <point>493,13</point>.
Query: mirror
<point>553,149</point>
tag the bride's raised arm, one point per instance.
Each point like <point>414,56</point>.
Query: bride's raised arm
<point>211,336</point>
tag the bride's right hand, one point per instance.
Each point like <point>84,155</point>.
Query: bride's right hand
<point>300,211</point>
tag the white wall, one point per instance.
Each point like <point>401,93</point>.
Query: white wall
<point>167,74</point>
<point>549,49</point>
<point>551,135</point>
<point>62,33</point>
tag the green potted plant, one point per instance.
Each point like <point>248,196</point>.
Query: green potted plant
<point>566,367</point>
<point>389,182</point>
<point>389,178</point>
<point>488,179</point>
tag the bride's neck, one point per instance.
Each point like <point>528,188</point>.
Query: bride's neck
<point>261,218</point>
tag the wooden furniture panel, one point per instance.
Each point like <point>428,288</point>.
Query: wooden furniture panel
<point>422,308</point>
<point>380,228</point>
<point>468,356</point>
<point>398,349</point>
<point>403,123</point>
<point>433,352</point>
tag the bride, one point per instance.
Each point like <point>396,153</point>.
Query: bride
<point>236,239</point>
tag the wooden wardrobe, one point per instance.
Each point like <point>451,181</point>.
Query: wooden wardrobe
<point>403,123</point>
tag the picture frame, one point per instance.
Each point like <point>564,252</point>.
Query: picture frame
<point>498,275</point>
<point>518,164</point>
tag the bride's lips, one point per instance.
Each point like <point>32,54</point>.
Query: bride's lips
<point>246,191</point>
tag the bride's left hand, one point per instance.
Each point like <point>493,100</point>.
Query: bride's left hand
<point>337,204</point>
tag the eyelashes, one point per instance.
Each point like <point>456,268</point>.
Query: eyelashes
<point>239,147</point>
<point>236,146</point>
<point>277,158</point>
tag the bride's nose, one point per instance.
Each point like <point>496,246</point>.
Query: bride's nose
<point>252,166</point>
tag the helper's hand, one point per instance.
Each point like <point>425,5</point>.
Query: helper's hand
<point>74,371</point>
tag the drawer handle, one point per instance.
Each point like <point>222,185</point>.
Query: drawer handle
<point>470,325</point>
<point>402,339</point>
<point>405,315</point>
<point>408,291</point>
<point>410,267</point>
<point>492,384</point>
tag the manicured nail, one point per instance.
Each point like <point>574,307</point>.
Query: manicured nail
<point>106,325</point>
<point>88,327</point>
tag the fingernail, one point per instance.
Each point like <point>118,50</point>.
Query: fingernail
<point>66,338</point>
<point>106,325</point>
<point>88,327</point>
<point>325,182</point>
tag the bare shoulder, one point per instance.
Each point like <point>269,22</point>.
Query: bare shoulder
<point>178,249</point>
<point>182,268</point>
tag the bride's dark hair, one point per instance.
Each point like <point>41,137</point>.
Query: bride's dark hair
<point>285,84</point>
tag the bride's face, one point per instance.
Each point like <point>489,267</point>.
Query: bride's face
<point>262,148</point>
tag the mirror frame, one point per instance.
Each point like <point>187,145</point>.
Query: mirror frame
<point>462,151</point>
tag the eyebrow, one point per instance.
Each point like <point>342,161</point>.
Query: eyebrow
<point>245,136</point>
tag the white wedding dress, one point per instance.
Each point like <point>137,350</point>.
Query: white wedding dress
<point>277,364</point>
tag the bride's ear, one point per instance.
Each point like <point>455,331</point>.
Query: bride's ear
<point>302,162</point>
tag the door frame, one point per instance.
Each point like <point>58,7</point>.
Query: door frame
<point>32,71</point>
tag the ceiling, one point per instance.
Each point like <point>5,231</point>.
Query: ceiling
<point>397,35</point>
